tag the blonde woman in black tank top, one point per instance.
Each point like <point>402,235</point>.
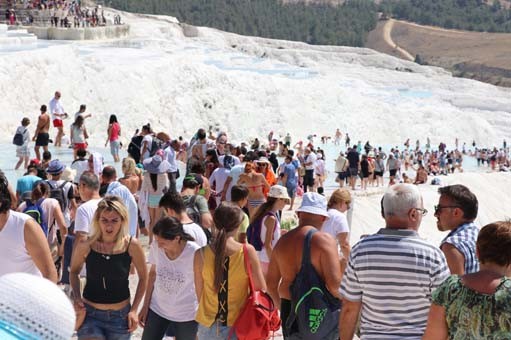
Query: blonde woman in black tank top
<point>108,253</point>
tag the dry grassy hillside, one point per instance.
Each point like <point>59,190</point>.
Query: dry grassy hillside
<point>482,56</point>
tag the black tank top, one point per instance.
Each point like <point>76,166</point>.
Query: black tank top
<point>107,277</point>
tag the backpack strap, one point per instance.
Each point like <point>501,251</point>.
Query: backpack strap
<point>306,253</point>
<point>248,268</point>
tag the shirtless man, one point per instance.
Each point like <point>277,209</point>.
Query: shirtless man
<point>57,114</point>
<point>41,136</point>
<point>286,257</point>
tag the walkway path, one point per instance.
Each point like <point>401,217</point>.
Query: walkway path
<point>387,37</point>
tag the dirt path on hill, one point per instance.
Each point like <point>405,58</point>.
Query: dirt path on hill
<point>387,37</point>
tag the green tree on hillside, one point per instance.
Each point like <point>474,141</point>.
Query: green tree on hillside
<point>319,24</point>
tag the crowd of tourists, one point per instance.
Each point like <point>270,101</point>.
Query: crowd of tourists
<point>217,241</point>
<point>60,13</point>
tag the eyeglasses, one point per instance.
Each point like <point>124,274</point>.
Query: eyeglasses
<point>440,207</point>
<point>422,210</point>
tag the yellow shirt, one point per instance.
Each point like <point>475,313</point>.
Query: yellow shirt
<point>243,226</point>
<point>236,287</point>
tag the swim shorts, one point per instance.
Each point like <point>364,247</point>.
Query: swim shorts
<point>42,139</point>
<point>78,146</point>
<point>392,172</point>
<point>353,172</point>
<point>58,123</point>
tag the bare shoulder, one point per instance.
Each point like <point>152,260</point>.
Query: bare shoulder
<point>323,240</point>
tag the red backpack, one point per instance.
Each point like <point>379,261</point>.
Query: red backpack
<point>259,316</point>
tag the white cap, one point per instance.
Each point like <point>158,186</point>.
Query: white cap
<point>35,306</point>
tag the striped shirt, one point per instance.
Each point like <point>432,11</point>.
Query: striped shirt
<point>464,239</point>
<point>393,273</point>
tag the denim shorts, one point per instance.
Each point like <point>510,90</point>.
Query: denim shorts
<point>114,147</point>
<point>215,332</point>
<point>105,324</point>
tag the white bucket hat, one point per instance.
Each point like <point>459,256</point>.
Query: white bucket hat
<point>278,191</point>
<point>313,203</point>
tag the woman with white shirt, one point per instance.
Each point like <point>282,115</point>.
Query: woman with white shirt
<point>337,223</point>
<point>170,300</point>
<point>267,216</point>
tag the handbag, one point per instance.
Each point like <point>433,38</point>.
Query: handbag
<point>259,316</point>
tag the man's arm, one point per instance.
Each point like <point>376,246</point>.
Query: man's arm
<point>273,278</point>
<point>38,249</point>
<point>330,263</point>
<point>349,318</point>
<point>226,186</point>
<point>455,259</point>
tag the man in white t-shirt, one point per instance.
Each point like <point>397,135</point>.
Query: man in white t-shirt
<point>309,161</point>
<point>57,115</point>
<point>174,206</point>
<point>23,245</point>
<point>89,193</point>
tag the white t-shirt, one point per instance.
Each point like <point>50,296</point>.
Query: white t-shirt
<point>319,167</point>
<point>336,223</point>
<point>263,256</point>
<point>148,140</point>
<point>311,158</point>
<point>84,215</point>
<point>170,155</point>
<point>235,173</point>
<point>195,231</point>
<point>80,165</point>
<point>174,295</point>
<point>219,177</point>
<point>56,107</point>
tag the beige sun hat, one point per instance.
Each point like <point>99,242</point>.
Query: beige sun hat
<point>278,191</point>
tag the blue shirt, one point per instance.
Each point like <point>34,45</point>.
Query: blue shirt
<point>290,172</point>
<point>26,183</point>
<point>464,239</point>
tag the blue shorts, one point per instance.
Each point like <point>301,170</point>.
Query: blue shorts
<point>291,191</point>
<point>114,147</point>
<point>105,324</point>
<point>153,201</point>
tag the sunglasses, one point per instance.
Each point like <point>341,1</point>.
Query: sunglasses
<point>440,207</point>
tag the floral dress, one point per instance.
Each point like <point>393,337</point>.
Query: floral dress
<point>473,315</point>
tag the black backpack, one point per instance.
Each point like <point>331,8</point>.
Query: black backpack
<point>57,192</point>
<point>195,215</point>
<point>134,148</point>
<point>18,138</point>
<point>314,311</point>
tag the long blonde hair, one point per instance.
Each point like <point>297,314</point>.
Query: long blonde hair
<point>128,166</point>
<point>110,203</point>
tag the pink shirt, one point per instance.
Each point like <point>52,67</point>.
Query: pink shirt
<point>115,128</point>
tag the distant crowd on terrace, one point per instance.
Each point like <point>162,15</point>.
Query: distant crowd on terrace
<point>57,14</point>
